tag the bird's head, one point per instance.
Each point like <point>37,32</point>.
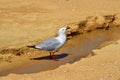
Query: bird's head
<point>63,30</point>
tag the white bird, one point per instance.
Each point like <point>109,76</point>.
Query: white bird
<point>53,44</point>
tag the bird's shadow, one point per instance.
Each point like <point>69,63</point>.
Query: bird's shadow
<point>59,56</point>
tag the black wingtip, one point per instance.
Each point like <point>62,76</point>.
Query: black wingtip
<point>31,46</point>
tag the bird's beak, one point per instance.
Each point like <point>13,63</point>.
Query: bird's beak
<point>67,27</point>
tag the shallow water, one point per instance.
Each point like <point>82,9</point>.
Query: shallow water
<point>78,47</point>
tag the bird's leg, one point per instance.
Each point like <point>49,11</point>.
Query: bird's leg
<point>53,56</point>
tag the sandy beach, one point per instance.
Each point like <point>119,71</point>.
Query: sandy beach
<point>94,34</point>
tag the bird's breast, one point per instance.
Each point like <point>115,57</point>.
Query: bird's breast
<point>62,39</point>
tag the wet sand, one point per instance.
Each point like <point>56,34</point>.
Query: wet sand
<point>83,46</point>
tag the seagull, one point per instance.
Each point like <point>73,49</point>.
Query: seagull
<point>53,44</point>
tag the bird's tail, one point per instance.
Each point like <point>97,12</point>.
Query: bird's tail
<point>31,46</point>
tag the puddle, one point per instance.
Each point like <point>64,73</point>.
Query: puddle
<point>78,47</point>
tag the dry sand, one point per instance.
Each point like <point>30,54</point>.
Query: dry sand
<point>25,22</point>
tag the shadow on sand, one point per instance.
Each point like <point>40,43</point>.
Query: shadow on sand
<point>59,56</point>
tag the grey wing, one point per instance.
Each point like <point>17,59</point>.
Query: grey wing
<point>49,45</point>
